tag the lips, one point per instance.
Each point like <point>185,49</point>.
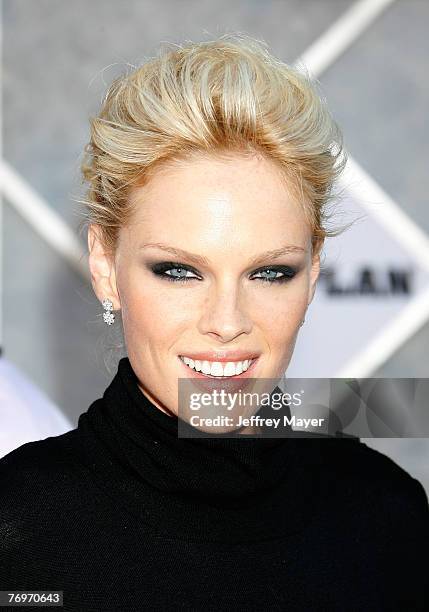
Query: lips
<point>208,383</point>
<point>198,374</point>
<point>223,356</point>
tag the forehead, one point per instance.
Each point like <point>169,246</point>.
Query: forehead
<point>211,200</point>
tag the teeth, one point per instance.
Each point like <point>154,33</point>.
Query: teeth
<point>205,368</point>
<point>229,369</point>
<point>216,368</point>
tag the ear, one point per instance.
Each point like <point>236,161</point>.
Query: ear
<point>314,274</point>
<point>102,268</point>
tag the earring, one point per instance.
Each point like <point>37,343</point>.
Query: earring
<point>108,315</point>
<point>302,322</point>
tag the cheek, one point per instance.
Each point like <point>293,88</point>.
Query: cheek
<point>280,310</point>
<point>153,313</point>
<point>280,329</point>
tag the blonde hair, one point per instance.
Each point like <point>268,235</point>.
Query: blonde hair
<point>224,95</point>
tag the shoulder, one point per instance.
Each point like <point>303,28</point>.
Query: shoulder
<point>31,471</point>
<point>39,452</point>
<point>376,479</point>
<point>43,490</point>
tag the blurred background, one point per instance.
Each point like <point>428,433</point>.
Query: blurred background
<point>58,58</point>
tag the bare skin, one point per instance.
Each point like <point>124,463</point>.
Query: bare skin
<point>228,211</point>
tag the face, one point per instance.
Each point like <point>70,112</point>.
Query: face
<point>215,265</point>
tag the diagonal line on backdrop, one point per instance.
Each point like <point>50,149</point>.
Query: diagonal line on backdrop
<point>42,218</point>
<point>413,315</point>
<point>342,34</point>
<point>386,211</point>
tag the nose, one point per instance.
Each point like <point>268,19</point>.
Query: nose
<point>224,315</point>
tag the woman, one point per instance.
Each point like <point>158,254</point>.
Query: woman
<point>209,170</point>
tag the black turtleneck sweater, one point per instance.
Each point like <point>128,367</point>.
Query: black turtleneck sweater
<point>122,514</point>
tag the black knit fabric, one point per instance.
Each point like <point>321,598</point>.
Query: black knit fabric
<point>122,514</point>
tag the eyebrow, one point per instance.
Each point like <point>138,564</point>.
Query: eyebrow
<point>201,260</point>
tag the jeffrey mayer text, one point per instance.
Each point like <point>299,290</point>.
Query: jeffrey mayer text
<point>256,420</point>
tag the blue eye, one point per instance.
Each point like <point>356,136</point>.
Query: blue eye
<point>180,272</point>
<point>177,272</point>
<point>276,274</point>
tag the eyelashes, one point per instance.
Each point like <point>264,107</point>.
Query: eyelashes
<point>275,274</point>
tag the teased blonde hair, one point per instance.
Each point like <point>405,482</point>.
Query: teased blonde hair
<point>225,95</point>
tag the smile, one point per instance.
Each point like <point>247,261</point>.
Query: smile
<point>217,368</point>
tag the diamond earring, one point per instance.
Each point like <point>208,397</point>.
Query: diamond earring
<point>108,315</point>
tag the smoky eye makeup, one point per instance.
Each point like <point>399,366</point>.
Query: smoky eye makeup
<point>177,272</point>
<point>275,273</point>
<point>174,271</point>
